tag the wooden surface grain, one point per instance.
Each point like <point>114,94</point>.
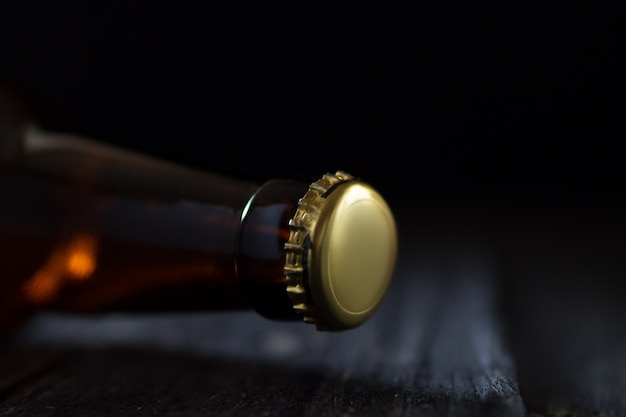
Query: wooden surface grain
<point>433,348</point>
<point>471,326</point>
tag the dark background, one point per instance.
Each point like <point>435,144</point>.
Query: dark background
<point>502,105</point>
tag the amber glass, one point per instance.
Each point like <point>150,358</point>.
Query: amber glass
<point>87,228</point>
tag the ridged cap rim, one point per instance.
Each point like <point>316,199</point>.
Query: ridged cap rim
<point>341,252</point>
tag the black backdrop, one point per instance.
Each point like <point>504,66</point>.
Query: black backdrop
<point>495,104</point>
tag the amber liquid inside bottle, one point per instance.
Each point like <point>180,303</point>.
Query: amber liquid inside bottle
<point>87,228</point>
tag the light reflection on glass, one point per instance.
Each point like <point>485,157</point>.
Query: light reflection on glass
<point>81,257</point>
<point>75,261</point>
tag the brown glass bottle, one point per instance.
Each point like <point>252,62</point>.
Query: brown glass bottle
<point>88,228</point>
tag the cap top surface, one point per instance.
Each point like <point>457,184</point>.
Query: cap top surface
<point>341,252</point>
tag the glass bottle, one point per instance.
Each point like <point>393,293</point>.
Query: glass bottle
<point>89,228</point>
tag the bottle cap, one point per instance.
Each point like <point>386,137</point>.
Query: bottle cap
<point>341,252</point>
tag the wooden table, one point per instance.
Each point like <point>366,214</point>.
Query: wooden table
<point>486,316</point>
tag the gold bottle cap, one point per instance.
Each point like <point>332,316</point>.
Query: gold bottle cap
<point>341,252</point>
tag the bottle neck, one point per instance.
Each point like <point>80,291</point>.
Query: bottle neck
<point>261,247</point>
<point>90,228</point>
